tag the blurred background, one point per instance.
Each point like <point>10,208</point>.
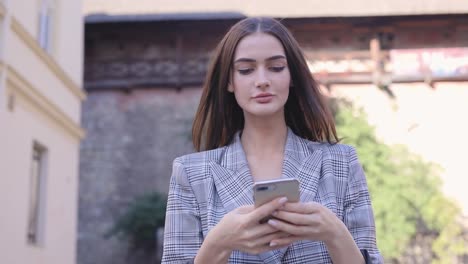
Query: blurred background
<point>97,99</point>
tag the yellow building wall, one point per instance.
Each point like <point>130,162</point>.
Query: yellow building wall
<point>40,100</point>
<point>67,28</point>
<point>68,52</point>
<point>27,124</point>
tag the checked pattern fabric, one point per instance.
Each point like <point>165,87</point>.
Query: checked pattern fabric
<point>205,186</point>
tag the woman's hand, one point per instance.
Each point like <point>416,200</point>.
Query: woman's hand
<point>241,229</point>
<point>307,221</point>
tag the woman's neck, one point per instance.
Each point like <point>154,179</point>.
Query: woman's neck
<point>264,137</point>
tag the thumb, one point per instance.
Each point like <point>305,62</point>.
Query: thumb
<point>267,209</point>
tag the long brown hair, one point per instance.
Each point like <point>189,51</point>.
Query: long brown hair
<point>219,116</point>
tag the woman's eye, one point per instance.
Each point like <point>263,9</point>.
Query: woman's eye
<point>277,68</point>
<point>245,71</point>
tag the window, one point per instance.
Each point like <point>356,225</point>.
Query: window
<point>46,19</point>
<point>37,194</point>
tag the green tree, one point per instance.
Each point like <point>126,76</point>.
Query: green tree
<point>405,191</point>
<point>140,221</point>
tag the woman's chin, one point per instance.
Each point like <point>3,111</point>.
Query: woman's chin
<point>265,112</point>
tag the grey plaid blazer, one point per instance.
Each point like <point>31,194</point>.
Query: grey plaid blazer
<point>205,186</point>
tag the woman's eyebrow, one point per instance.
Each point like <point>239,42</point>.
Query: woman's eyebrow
<point>276,57</point>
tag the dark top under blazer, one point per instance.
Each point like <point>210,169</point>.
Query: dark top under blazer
<point>206,185</point>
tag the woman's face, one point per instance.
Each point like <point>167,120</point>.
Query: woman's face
<point>260,77</point>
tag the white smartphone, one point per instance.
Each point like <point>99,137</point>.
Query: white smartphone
<point>265,191</point>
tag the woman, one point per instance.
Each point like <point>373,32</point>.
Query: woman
<point>262,117</point>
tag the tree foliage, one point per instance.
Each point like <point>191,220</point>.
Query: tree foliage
<point>405,191</point>
<point>140,221</point>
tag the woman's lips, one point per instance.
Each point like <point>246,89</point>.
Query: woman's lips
<point>263,98</point>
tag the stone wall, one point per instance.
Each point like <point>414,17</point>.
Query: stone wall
<point>132,139</point>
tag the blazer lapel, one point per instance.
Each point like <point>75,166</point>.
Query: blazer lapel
<point>232,177</point>
<point>303,161</point>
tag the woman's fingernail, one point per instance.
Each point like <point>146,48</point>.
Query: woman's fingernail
<point>272,222</point>
<point>273,244</point>
<point>283,200</point>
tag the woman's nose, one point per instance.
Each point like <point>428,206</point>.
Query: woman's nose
<point>262,81</point>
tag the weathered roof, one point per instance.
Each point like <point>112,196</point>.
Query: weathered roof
<point>105,18</point>
<point>169,9</point>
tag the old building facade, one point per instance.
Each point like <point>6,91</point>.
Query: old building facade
<point>41,46</point>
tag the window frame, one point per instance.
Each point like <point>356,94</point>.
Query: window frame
<point>46,21</point>
<point>36,195</point>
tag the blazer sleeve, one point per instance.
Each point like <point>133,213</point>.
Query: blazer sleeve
<point>182,231</point>
<point>358,213</point>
